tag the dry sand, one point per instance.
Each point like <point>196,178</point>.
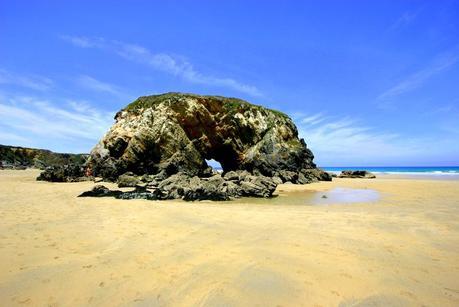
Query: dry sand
<point>59,250</point>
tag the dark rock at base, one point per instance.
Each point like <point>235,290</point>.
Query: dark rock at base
<point>286,176</point>
<point>316,174</point>
<point>140,193</point>
<point>356,174</point>
<point>64,173</point>
<point>231,176</point>
<point>181,186</point>
<point>100,191</point>
<point>213,188</point>
<point>258,186</point>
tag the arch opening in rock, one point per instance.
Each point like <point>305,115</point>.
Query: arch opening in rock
<point>216,166</point>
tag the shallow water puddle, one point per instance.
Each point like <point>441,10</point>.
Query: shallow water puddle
<point>345,196</point>
<point>330,197</point>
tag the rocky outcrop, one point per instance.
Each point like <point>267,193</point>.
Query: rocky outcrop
<point>165,140</point>
<point>64,173</point>
<point>356,174</point>
<point>176,132</point>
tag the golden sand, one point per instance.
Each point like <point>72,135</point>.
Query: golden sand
<point>60,250</point>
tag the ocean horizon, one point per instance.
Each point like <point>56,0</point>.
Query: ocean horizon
<point>406,170</point>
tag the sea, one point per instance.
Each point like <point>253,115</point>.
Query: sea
<point>401,170</point>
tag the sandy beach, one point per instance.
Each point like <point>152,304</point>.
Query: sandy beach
<point>60,250</point>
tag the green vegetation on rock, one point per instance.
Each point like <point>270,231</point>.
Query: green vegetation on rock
<point>39,158</point>
<point>228,104</point>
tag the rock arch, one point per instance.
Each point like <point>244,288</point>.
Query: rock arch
<point>175,133</point>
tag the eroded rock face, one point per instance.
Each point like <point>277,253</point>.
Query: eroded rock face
<point>175,132</point>
<point>165,140</point>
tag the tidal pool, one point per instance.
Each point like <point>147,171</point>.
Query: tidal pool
<point>330,197</point>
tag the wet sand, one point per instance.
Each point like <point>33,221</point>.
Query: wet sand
<point>59,250</point>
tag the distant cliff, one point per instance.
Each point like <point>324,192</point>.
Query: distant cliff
<point>17,157</point>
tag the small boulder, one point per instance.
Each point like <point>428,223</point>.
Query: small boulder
<point>100,191</point>
<point>258,186</point>
<point>141,192</point>
<point>357,174</point>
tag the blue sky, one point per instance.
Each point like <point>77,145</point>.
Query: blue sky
<point>367,82</point>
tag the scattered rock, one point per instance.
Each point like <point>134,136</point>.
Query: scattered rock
<point>316,175</point>
<point>181,186</point>
<point>140,193</point>
<point>356,174</point>
<point>100,191</point>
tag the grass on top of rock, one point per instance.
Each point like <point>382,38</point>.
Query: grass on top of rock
<point>230,104</point>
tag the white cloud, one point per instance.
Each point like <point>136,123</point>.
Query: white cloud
<point>97,85</point>
<point>82,42</point>
<point>11,138</point>
<point>171,64</point>
<point>34,82</point>
<point>313,119</point>
<point>28,118</point>
<point>345,141</point>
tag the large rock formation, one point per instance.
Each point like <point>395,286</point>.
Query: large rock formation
<point>176,132</point>
<point>165,140</point>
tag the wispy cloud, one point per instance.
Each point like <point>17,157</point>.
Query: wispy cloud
<point>170,64</point>
<point>405,19</point>
<point>34,82</point>
<point>27,118</point>
<point>83,42</point>
<point>440,64</point>
<point>11,138</point>
<point>345,141</point>
<point>97,85</point>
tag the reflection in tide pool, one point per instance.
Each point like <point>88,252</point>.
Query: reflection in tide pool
<point>345,195</point>
<point>330,197</point>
